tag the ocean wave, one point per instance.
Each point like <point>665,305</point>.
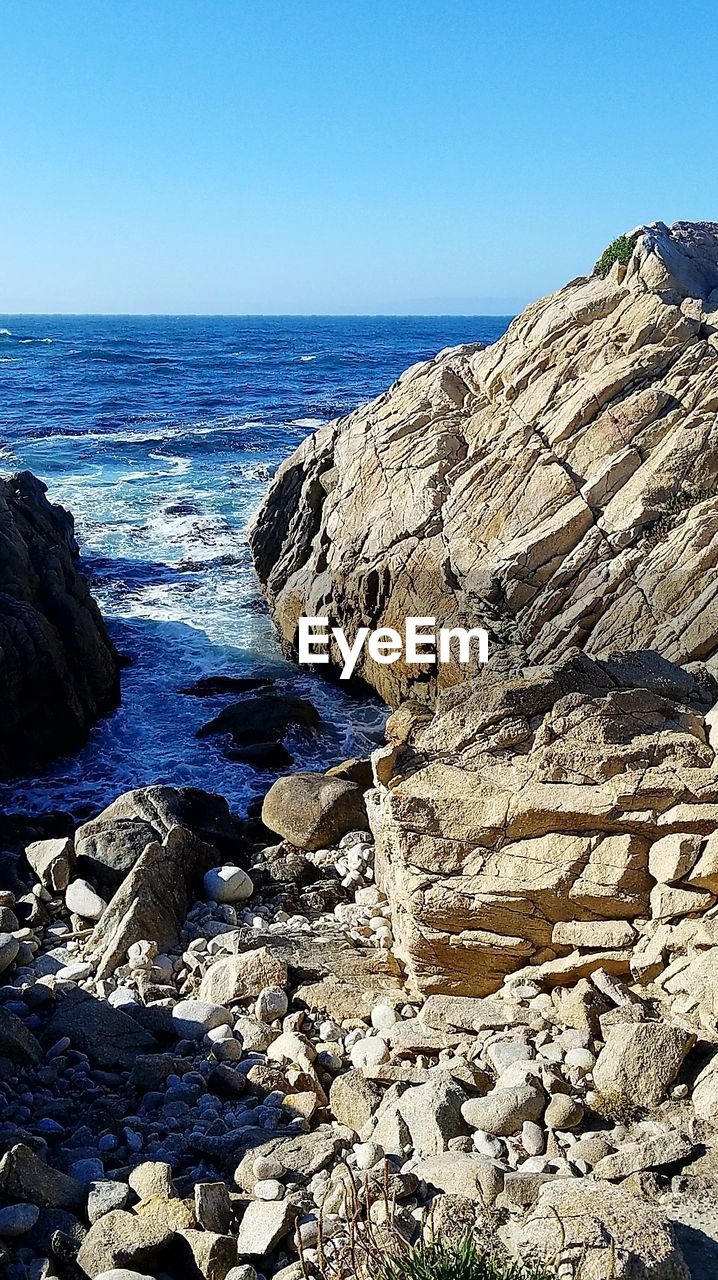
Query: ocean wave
<point>170,432</point>
<point>306,359</point>
<point>6,333</point>
<point>26,342</point>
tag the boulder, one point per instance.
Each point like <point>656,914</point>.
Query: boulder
<point>461,1173</point>
<point>354,1099</point>
<point>121,1239</point>
<point>264,1224</point>
<point>109,845</point>
<point>242,977</point>
<point>611,1231</point>
<point>266,718</point>
<point>109,1037</point>
<point>152,901</point>
<point>640,1061</point>
<point>17,1041</point>
<point>504,1110</point>
<point>59,670</point>
<point>311,810</point>
<point>24,1176</point>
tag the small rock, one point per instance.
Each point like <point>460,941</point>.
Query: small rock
<point>16,1219</point>
<point>503,1111</point>
<point>81,899</point>
<point>563,1112</point>
<point>228,884</point>
<point>192,1019</point>
<point>264,1223</point>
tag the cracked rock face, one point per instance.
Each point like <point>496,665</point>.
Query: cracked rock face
<point>58,666</point>
<point>558,487</point>
<point>534,799</point>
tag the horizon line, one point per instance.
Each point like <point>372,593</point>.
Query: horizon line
<point>255,315</point>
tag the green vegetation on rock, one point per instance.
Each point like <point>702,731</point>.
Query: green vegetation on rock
<point>463,1259</point>
<point>619,250</point>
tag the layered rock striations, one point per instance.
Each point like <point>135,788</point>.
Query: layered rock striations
<point>558,487</point>
<point>553,817</point>
<point>58,667</point>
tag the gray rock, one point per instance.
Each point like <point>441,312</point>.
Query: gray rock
<point>105,1196</point>
<point>301,1156</point>
<point>212,1206</point>
<point>227,884</point>
<point>108,846</point>
<point>192,1019</point>
<point>264,1223</point>
<point>461,1173</point>
<point>432,1113</point>
<point>108,1036</point>
<point>152,901</point>
<point>122,1273</point>
<point>82,899</point>
<point>16,1041</point>
<point>503,1111</point>
<point>353,1099</point>
<point>9,948</point>
<point>152,1179</point>
<point>17,1219</point>
<point>24,1176</point>
<point>647,1153</point>
<point>121,1239</point>
<point>563,1112</point>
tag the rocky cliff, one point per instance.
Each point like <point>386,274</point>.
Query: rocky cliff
<point>558,487</point>
<point>58,666</point>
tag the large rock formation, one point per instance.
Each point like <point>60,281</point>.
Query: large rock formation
<point>58,666</point>
<point>558,487</point>
<point>539,813</point>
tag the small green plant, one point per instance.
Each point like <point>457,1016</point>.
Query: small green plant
<point>619,250</point>
<point>463,1259</point>
<point>672,506</point>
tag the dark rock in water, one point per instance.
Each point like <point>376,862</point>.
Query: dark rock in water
<point>261,755</point>
<point>153,899</point>
<point>108,1036</point>
<point>211,686</point>
<point>263,719</point>
<point>59,670</point>
<point>109,845</point>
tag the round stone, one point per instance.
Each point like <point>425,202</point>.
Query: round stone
<point>563,1112</point>
<point>228,884</point>
<point>81,899</point>
<point>383,1016</point>
<point>370,1052</point>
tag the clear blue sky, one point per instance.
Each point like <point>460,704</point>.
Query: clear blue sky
<point>341,155</point>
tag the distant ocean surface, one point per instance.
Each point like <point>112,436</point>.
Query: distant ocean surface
<point>161,434</point>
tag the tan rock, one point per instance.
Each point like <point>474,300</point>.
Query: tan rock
<point>613,1232</point>
<point>640,1061</point>
<point>121,1239</point>
<point>312,810</point>
<point>669,901</point>
<point>673,856</point>
<point>53,862</point>
<point>593,934</point>
<point>704,874</point>
<point>243,976</point>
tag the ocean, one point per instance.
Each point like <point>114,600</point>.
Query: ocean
<point>161,434</point>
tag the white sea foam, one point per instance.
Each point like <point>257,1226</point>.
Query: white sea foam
<point>306,359</point>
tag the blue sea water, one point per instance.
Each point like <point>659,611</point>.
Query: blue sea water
<point>161,434</point>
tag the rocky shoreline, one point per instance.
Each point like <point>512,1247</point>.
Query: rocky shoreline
<point>470,984</point>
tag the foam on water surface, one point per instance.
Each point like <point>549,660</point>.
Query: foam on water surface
<point>161,441</point>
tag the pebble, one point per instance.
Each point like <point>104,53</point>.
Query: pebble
<point>269,1189</point>
<point>371,1051</point>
